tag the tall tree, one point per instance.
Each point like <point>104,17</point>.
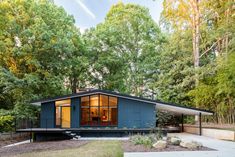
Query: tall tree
<point>216,42</point>
<point>216,89</point>
<point>175,75</point>
<point>126,41</point>
<point>184,15</point>
<point>36,40</point>
<point>77,64</point>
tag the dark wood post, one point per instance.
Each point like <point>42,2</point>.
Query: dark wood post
<point>31,135</point>
<point>200,123</point>
<point>182,122</point>
<point>15,125</point>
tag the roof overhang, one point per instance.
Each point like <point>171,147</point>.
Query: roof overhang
<point>173,108</point>
<point>36,103</point>
<point>179,110</point>
<point>39,102</point>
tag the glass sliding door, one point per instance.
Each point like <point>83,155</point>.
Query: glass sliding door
<point>98,110</point>
<point>58,118</point>
<point>63,113</point>
<point>65,117</point>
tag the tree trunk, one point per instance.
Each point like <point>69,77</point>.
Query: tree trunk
<point>197,34</point>
<point>74,82</point>
<point>226,40</point>
<point>74,85</point>
<point>196,42</point>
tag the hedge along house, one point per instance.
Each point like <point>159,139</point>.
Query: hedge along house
<point>103,111</point>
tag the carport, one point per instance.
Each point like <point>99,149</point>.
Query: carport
<point>183,111</point>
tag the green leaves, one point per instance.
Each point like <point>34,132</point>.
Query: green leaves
<point>43,54</point>
<point>216,89</point>
<point>6,123</point>
<point>122,47</point>
<point>37,41</point>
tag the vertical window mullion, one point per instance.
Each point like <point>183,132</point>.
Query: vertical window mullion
<point>108,113</point>
<point>89,108</point>
<point>98,109</point>
<point>60,116</point>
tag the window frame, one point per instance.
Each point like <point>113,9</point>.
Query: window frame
<point>99,108</point>
<point>60,106</point>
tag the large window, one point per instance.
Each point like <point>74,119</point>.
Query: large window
<point>99,110</point>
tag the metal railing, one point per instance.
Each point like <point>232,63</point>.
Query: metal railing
<point>24,123</point>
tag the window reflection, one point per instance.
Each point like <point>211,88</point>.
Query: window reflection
<point>104,101</point>
<point>94,100</point>
<point>112,101</point>
<point>85,101</point>
<point>99,110</point>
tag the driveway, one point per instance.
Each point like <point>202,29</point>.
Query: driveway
<point>224,148</point>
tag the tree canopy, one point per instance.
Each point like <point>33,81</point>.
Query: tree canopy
<point>122,47</point>
<point>38,41</point>
<point>188,58</point>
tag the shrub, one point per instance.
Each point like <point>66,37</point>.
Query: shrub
<point>146,140</point>
<point>6,123</point>
<point>141,140</point>
<point>156,133</point>
<point>167,119</point>
<point>4,112</point>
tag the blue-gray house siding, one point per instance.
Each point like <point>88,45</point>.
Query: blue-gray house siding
<point>75,112</point>
<point>135,114</point>
<point>48,115</point>
<point>131,114</point>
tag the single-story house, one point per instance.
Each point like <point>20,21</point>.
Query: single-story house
<point>104,109</point>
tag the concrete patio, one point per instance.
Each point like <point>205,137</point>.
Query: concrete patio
<point>223,148</point>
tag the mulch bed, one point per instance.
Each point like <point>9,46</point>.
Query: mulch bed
<point>41,146</point>
<point>68,144</point>
<point>130,147</point>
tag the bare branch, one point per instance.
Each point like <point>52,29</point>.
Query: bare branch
<point>214,44</point>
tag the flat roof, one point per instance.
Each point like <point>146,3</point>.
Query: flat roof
<point>170,107</point>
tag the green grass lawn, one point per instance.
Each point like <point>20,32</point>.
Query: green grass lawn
<point>92,149</point>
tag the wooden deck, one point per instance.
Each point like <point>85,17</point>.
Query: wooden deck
<point>41,134</point>
<point>134,130</point>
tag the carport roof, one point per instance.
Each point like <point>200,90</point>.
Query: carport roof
<point>170,107</point>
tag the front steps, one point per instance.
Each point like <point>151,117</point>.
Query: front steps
<point>73,135</point>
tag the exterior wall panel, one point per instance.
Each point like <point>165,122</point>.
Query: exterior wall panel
<point>135,114</point>
<point>75,112</point>
<point>47,115</point>
<point>131,114</point>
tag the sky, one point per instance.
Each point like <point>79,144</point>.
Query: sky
<point>88,13</point>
